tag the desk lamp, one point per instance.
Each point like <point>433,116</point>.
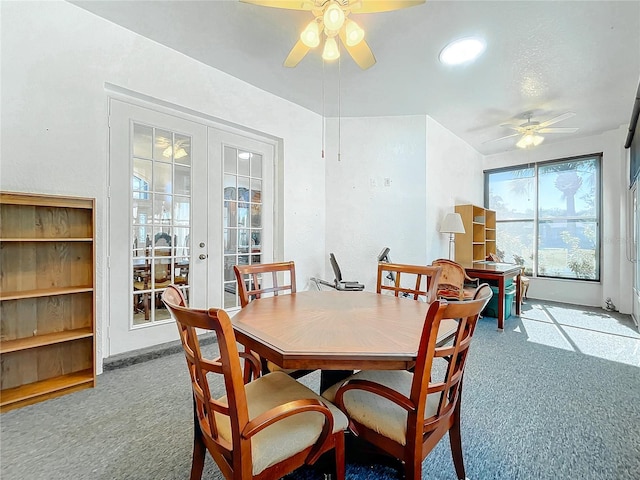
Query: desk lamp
<point>452,224</point>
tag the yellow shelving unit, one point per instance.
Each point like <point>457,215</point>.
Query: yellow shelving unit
<point>47,297</point>
<point>479,239</point>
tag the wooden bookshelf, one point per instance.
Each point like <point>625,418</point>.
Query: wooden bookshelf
<point>47,297</point>
<point>479,239</point>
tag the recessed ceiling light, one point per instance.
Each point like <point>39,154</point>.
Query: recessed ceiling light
<point>462,51</point>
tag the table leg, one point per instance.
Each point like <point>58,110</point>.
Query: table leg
<point>501,298</point>
<point>518,294</point>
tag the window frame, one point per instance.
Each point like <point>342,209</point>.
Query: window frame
<point>538,220</point>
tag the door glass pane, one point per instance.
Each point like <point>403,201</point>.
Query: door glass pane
<point>242,215</point>
<point>244,162</point>
<point>243,189</point>
<point>183,149</point>
<point>230,160</point>
<point>256,165</point>
<point>230,241</point>
<point>142,141</point>
<point>182,180</point>
<point>162,177</point>
<point>163,145</point>
<point>160,216</point>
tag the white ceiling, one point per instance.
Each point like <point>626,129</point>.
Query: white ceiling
<point>545,57</point>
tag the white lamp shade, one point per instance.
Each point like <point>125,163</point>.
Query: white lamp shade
<point>355,34</point>
<point>333,17</point>
<point>330,51</point>
<point>310,36</point>
<point>452,223</point>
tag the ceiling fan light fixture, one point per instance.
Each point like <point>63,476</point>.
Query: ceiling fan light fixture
<point>530,140</point>
<point>354,33</point>
<point>179,153</point>
<point>333,17</point>
<point>310,36</point>
<point>331,51</point>
<point>462,51</point>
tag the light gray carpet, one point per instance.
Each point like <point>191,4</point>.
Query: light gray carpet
<point>556,395</point>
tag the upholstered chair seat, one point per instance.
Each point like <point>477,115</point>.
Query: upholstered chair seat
<point>289,436</point>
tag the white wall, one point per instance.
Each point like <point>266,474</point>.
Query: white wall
<point>454,177</point>
<point>56,59</point>
<point>615,268</point>
<point>428,169</point>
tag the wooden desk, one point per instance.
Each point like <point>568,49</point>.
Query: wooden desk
<point>332,330</point>
<point>498,272</point>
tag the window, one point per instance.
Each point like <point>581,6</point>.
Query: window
<point>548,216</point>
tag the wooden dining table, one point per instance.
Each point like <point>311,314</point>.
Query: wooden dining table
<point>336,331</point>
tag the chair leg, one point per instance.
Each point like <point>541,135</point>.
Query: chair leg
<point>340,460</point>
<point>413,469</point>
<point>455,439</point>
<point>199,448</point>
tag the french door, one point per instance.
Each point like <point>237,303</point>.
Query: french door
<point>187,201</point>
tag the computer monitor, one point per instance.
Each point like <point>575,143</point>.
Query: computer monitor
<point>339,283</point>
<point>385,258</point>
<point>384,255</point>
<point>336,269</point>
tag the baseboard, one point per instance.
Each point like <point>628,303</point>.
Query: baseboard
<point>150,353</point>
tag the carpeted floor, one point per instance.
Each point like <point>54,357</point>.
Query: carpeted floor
<point>556,395</point>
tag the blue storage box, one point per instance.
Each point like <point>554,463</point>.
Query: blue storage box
<point>491,310</point>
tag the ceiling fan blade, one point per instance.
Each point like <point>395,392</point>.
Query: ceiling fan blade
<point>517,128</point>
<point>288,4</point>
<point>559,130</point>
<point>501,138</point>
<point>296,54</point>
<point>373,6</point>
<point>361,53</point>
<point>557,119</point>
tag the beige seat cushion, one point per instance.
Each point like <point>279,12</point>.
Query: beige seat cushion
<point>376,412</point>
<point>286,437</point>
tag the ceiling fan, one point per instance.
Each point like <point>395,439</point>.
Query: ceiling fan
<point>531,131</point>
<point>331,18</point>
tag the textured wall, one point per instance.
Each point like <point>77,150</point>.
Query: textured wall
<point>396,179</point>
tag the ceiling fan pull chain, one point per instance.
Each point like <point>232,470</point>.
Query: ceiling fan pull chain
<point>324,118</point>
<point>339,104</point>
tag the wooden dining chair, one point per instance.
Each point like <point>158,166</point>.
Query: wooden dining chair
<point>261,279</point>
<point>414,281</point>
<point>254,280</point>
<point>261,430</point>
<point>405,414</point>
<point>454,282</point>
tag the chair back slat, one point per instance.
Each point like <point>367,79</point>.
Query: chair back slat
<point>467,313</point>
<point>415,281</point>
<point>253,281</point>
<point>234,404</point>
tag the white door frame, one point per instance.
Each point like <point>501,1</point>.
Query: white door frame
<point>169,332</point>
